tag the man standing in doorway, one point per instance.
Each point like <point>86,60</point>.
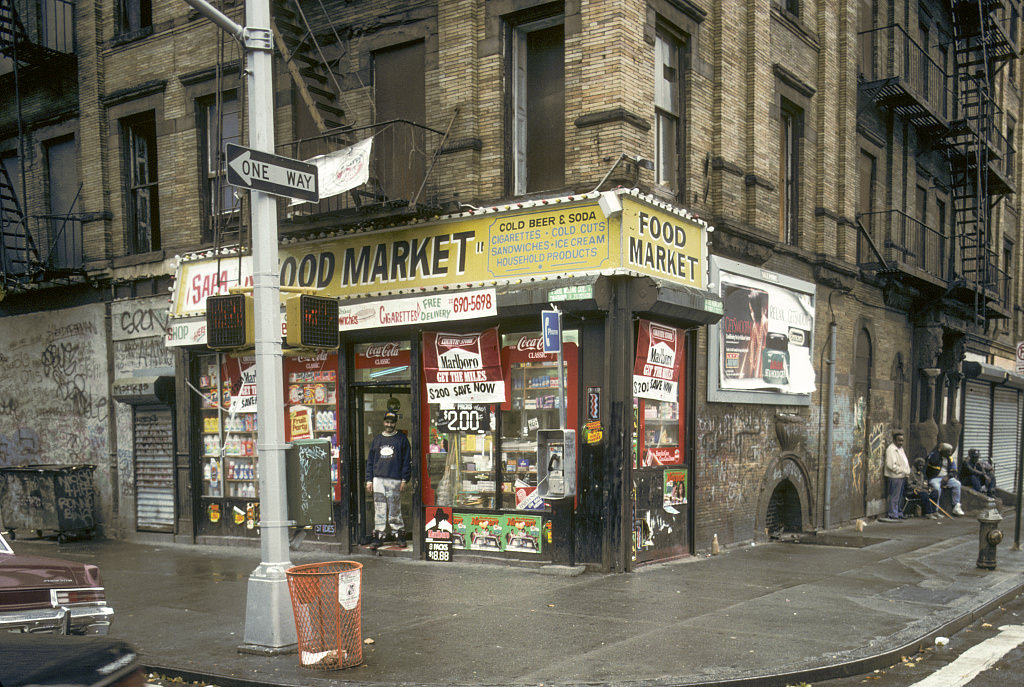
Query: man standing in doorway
<point>388,468</point>
<point>896,471</point>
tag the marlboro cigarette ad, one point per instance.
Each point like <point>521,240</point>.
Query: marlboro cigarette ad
<point>463,368</point>
<point>659,352</point>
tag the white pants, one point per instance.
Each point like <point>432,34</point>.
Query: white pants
<point>387,504</point>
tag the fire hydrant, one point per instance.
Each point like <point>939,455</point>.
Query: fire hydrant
<point>989,536</point>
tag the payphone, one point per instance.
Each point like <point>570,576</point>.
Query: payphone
<point>556,463</point>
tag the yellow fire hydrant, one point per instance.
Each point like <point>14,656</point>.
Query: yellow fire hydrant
<point>989,536</point>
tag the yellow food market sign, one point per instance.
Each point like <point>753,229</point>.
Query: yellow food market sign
<point>557,238</point>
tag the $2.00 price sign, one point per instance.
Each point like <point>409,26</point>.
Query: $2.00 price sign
<point>464,418</point>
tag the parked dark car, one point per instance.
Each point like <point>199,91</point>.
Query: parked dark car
<point>40,594</point>
<point>51,661</point>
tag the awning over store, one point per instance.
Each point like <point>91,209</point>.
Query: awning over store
<point>143,390</point>
<point>992,374</point>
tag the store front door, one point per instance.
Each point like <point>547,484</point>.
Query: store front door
<point>370,405</point>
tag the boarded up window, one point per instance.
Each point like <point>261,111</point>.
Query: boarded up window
<point>62,177</point>
<point>399,152</point>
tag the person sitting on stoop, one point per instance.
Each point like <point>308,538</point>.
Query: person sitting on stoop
<point>917,489</point>
<point>940,471</point>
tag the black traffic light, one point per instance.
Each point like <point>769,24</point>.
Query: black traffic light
<point>313,322</point>
<point>229,322</point>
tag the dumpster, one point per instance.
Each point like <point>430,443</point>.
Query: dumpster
<point>48,498</point>
<point>327,600</point>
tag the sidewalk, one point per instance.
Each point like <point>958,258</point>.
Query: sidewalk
<point>766,614</point>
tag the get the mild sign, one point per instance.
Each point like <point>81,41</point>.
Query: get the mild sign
<point>281,176</point>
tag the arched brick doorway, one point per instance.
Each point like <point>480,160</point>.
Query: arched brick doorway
<point>784,504</point>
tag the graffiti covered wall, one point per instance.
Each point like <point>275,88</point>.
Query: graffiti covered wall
<point>735,444</point>
<point>54,394</point>
<point>137,332</point>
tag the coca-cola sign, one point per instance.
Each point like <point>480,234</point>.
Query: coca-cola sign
<point>530,343</point>
<point>382,350</point>
<point>529,347</point>
<point>385,354</point>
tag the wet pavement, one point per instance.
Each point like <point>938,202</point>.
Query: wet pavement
<point>809,608</point>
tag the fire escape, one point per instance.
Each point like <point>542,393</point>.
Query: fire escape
<point>407,168</point>
<point>36,42</point>
<point>978,154</point>
<point>957,113</point>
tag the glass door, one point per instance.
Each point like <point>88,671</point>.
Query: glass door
<point>370,405</point>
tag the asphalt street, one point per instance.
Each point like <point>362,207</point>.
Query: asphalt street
<point>812,608</point>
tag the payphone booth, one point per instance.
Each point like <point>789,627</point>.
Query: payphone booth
<point>556,463</point>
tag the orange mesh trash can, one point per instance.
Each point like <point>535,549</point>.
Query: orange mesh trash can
<point>327,600</point>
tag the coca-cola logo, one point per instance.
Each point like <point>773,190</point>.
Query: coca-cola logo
<point>318,357</point>
<point>384,350</point>
<point>527,343</point>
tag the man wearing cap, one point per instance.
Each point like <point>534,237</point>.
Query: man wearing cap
<point>940,472</point>
<point>388,468</point>
<point>896,470</point>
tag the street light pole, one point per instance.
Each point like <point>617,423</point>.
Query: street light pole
<point>269,625</point>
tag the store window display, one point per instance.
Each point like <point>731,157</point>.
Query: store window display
<point>484,455</point>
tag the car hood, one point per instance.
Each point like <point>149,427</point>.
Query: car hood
<point>40,571</point>
<point>42,660</point>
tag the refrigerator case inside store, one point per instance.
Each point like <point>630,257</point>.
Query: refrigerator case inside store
<point>229,460</point>
<point>312,405</point>
<point>533,405</point>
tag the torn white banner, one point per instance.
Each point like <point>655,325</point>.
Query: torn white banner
<point>342,170</point>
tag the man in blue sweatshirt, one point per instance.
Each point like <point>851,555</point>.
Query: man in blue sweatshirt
<point>388,469</point>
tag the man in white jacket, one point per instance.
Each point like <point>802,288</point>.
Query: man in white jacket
<point>896,471</point>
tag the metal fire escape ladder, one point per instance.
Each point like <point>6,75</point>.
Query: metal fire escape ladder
<point>18,254</point>
<point>316,77</point>
<point>12,32</point>
<point>969,150</point>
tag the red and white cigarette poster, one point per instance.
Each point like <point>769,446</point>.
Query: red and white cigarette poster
<point>658,357</point>
<point>463,368</point>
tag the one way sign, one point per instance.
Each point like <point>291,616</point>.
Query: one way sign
<point>269,173</point>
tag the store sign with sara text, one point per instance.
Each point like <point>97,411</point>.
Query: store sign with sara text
<point>559,237</point>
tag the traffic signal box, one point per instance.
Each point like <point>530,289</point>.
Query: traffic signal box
<point>229,322</point>
<point>312,322</point>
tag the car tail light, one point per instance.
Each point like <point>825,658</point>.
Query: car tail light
<point>80,596</point>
